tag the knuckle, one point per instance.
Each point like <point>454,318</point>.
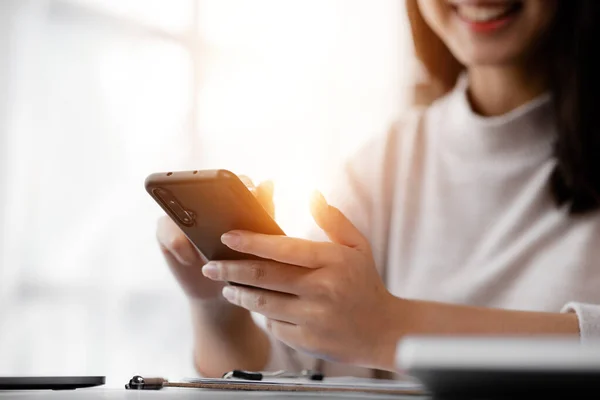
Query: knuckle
<point>338,255</point>
<point>313,255</point>
<point>315,317</point>
<point>269,325</point>
<point>253,301</point>
<point>224,272</point>
<point>257,272</point>
<point>178,243</point>
<point>324,287</point>
<point>259,301</point>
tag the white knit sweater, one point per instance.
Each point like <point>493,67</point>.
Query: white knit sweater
<point>457,209</point>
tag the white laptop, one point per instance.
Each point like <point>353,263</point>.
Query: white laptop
<point>501,366</point>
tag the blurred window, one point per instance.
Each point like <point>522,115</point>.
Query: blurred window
<point>101,93</point>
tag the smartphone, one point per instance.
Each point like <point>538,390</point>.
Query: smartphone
<point>207,204</point>
<point>49,382</point>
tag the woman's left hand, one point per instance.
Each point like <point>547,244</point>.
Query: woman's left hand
<point>323,298</point>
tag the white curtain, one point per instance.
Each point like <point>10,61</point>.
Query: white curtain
<point>97,94</point>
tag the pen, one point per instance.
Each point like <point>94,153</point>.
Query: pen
<point>258,376</point>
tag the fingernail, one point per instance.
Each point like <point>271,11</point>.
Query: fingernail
<point>318,199</point>
<point>211,270</point>
<point>187,255</point>
<point>229,293</point>
<point>318,203</point>
<point>231,239</point>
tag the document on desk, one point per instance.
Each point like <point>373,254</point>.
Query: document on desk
<point>329,384</point>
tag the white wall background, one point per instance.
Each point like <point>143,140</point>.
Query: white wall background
<point>97,94</point>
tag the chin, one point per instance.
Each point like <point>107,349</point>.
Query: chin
<point>490,32</point>
<point>488,58</point>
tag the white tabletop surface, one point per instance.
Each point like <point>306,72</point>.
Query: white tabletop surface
<point>178,394</point>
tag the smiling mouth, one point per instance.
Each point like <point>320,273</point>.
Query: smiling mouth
<point>485,11</point>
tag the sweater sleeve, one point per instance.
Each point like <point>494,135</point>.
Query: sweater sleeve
<point>589,319</point>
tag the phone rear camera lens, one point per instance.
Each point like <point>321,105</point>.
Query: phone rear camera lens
<point>162,193</point>
<point>176,210</point>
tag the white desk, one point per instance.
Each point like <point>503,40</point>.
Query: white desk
<point>181,394</point>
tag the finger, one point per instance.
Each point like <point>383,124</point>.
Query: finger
<point>172,239</point>
<point>285,249</point>
<point>273,305</point>
<point>190,279</point>
<point>290,334</point>
<point>269,275</point>
<point>335,224</point>
<point>264,194</point>
<point>266,188</point>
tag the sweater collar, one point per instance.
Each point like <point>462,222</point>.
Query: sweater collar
<point>527,130</point>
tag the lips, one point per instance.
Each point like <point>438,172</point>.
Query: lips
<point>485,11</point>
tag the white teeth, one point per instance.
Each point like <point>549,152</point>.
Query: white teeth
<point>482,13</point>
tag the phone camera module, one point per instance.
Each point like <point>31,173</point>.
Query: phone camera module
<point>176,209</point>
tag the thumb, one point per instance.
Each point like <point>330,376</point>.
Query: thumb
<point>334,223</point>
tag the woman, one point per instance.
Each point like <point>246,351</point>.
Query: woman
<point>475,215</point>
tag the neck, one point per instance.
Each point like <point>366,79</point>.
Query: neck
<point>498,90</point>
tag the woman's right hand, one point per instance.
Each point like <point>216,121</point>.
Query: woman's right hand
<point>186,262</point>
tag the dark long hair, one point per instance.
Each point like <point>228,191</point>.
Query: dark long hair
<point>573,65</point>
<point>575,70</point>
